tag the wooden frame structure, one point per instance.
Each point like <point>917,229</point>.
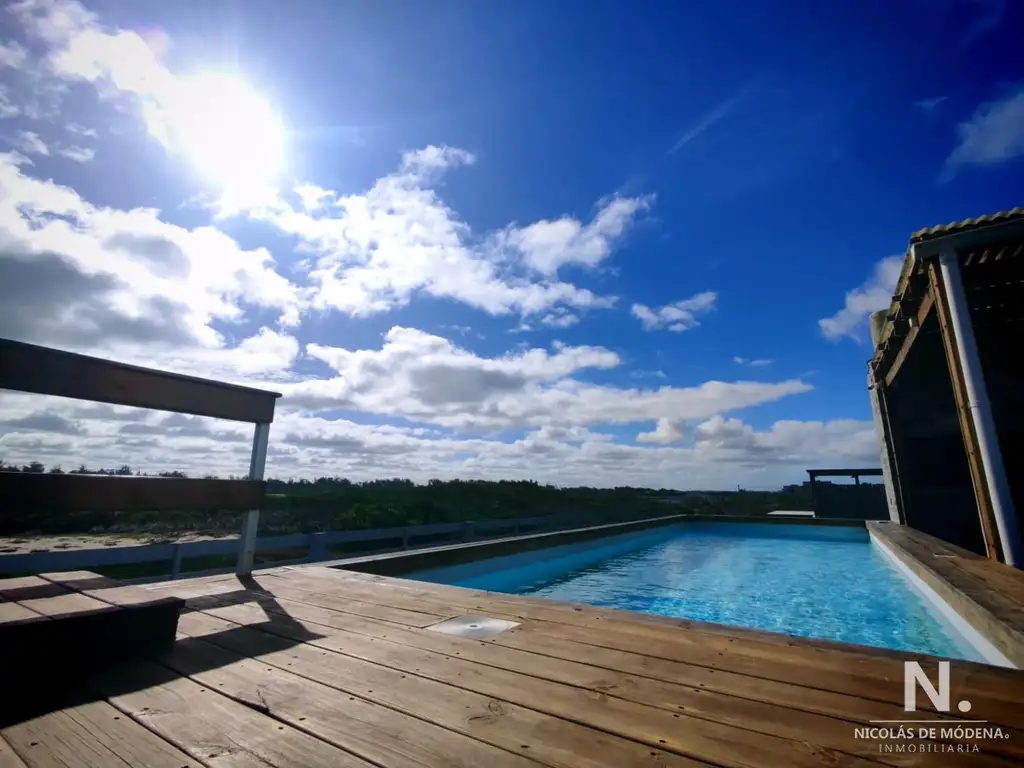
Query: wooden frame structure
<point>41,370</point>
<point>950,337</point>
<point>821,503</point>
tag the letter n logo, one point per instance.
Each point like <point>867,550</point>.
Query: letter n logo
<point>914,675</point>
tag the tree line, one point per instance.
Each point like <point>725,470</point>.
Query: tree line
<point>337,503</point>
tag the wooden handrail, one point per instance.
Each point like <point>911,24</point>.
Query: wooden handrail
<point>44,371</point>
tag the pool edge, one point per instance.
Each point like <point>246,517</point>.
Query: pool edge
<point>402,562</point>
<point>991,638</point>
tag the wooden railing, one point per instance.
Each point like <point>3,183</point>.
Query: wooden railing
<point>316,546</point>
<point>41,370</point>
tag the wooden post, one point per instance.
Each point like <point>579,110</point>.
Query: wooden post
<point>949,342</point>
<point>251,521</point>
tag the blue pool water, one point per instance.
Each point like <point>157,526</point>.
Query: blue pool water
<point>824,582</point>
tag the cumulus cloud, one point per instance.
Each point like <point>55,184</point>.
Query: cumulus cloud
<point>428,379</point>
<point>666,431</point>
<point>873,295</point>
<point>786,441</point>
<point>678,316</point>
<point>125,282</point>
<point>303,445</point>
<point>375,251</point>
<point>993,134</point>
<point>548,246</point>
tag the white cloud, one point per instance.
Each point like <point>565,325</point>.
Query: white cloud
<point>725,451</point>
<point>560,318</point>
<point>548,246</point>
<point>8,108</point>
<point>30,143</point>
<point>376,251</point>
<point>753,363</point>
<point>873,295</point>
<point>678,316</point>
<point>78,154</point>
<point>12,55</point>
<point>428,379</point>
<point>809,442</point>
<point>666,432</point>
<point>128,284</point>
<point>992,135</point>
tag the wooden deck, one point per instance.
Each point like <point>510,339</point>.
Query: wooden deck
<point>989,594</point>
<point>310,666</point>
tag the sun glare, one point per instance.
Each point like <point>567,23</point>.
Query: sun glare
<point>229,131</point>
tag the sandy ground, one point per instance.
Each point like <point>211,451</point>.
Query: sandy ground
<point>19,545</point>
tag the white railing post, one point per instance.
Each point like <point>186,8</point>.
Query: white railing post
<point>980,409</point>
<point>251,521</point>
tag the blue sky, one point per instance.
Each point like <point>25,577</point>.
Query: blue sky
<point>581,242</point>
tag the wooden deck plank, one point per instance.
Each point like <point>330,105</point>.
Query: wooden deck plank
<point>213,729</point>
<point>376,733</point>
<point>20,588</point>
<point>555,610</point>
<point>703,740</point>
<point>995,693</point>
<point>8,757</point>
<point>844,706</point>
<point>91,734</point>
<point>15,613</point>
<point>108,590</point>
<point>517,729</point>
<point>70,604</point>
<point>440,596</point>
<point>700,703</point>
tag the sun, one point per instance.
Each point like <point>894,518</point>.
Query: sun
<point>229,131</point>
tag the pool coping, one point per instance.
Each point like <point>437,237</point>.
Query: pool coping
<point>964,582</point>
<point>407,561</point>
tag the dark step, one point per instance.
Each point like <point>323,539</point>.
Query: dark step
<point>57,628</point>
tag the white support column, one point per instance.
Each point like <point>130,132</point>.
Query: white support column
<point>980,409</point>
<point>251,521</point>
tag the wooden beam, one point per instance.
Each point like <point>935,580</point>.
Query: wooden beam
<point>45,371</point>
<point>37,492</point>
<point>970,437</point>
<point>922,315</point>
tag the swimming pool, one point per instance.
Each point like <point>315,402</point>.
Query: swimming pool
<point>824,582</point>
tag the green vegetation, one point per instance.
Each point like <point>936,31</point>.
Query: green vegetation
<point>335,503</point>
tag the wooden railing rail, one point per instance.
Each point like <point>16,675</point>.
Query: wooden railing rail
<point>45,371</point>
